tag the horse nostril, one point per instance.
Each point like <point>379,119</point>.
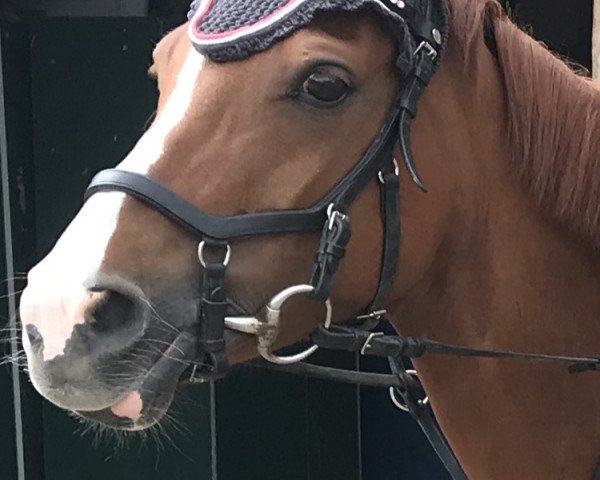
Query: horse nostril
<point>113,312</point>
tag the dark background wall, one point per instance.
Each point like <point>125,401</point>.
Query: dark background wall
<point>77,97</point>
<point>565,26</point>
<point>71,111</point>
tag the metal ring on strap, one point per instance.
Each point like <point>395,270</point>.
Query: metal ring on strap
<point>201,247</point>
<point>399,403</point>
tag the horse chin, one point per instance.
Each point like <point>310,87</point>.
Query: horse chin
<point>151,397</point>
<point>145,411</point>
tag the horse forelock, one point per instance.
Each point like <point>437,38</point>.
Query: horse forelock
<point>553,115</point>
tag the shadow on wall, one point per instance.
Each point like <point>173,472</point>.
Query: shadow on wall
<point>566,27</point>
<point>15,9</point>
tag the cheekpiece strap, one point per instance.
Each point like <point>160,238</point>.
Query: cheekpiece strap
<point>389,185</point>
<point>213,308</point>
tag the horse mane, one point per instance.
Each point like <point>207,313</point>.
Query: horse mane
<point>553,115</point>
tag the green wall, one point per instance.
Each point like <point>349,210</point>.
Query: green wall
<point>79,98</point>
<point>17,156</point>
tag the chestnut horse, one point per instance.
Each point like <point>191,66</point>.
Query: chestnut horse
<point>501,253</point>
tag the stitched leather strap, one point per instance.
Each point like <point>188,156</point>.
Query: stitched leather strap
<point>414,398</point>
<point>213,308</point>
<point>397,346</point>
<point>389,186</point>
<point>336,235</point>
<point>202,224</point>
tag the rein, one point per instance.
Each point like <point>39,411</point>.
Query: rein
<point>405,388</point>
<point>428,26</point>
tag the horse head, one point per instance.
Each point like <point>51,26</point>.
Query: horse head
<point>278,129</point>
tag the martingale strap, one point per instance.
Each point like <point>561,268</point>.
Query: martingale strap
<point>415,401</point>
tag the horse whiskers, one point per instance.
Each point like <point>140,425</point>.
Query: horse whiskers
<point>159,329</point>
<point>17,358</point>
<point>171,327</point>
<point>162,342</point>
<point>10,340</point>
<point>187,400</point>
<point>101,433</point>
<point>130,375</point>
<point>122,379</point>
<point>156,315</point>
<point>16,278</point>
<point>11,329</point>
<point>168,421</point>
<point>171,420</point>
<point>154,434</point>
<point>163,355</point>
<point>12,294</point>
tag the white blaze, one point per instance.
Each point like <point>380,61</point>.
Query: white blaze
<point>151,146</point>
<point>55,298</point>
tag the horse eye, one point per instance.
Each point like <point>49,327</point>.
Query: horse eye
<point>324,89</point>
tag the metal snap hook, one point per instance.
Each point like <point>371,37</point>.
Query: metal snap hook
<point>399,403</point>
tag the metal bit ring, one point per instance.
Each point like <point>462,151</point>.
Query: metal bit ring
<point>272,316</point>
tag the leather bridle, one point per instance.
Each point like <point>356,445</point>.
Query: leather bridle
<point>428,27</point>
<point>427,22</point>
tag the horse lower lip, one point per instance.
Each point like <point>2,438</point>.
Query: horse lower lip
<point>161,378</point>
<point>130,406</point>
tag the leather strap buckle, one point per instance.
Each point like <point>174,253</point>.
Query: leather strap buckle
<point>429,50</point>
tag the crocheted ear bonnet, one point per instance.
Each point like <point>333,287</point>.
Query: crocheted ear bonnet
<point>229,30</point>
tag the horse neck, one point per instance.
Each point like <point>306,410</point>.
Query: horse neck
<point>508,276</point>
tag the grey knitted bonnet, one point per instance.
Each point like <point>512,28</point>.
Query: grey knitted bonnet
<point>229,30</point>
